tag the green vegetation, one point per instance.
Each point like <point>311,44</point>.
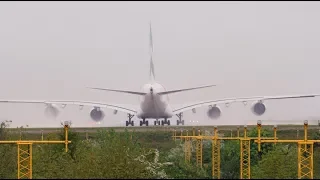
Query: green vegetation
<point>109,153</point>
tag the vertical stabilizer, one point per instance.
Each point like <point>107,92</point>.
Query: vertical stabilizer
<point>152,74</point>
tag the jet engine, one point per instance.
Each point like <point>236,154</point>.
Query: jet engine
<point>51,111</point>
<point>258,108</point>
<point>96,114</point>
<point>214,112</point>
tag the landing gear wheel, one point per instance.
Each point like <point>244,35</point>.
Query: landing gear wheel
<point>162,123</point>
<point>155,123</point>
<point>182,122</point>
<point>178,122</point>
<point>127,123</point>
<point>147,123</point>
<point>168,123</point>
<point>132,123</point>
<point>159,123</point>
<point>140,123</point>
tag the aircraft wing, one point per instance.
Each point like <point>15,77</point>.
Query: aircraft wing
<point>78,103</point>
<point>243,99</point>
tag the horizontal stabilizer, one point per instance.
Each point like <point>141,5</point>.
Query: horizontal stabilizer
<point>121,91</point>
<point>181,90</point>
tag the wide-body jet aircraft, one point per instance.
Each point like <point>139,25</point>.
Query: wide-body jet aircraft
<point>154,104</point>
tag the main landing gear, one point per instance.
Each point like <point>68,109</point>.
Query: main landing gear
<point>165,121</point>
<point>180,121</point>
<point>144,121</point>
<point>130,122</point>
<point>157,122</point>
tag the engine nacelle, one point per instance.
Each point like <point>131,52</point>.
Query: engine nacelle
<point>214,112</point>
<point>96,114</point>
<point>51,111</point>
<point>258,108</point>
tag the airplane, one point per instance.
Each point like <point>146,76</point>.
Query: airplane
<point>153,103</point>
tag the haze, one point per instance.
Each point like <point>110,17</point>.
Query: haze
<point>53,50</point>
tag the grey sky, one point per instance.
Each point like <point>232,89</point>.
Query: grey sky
<point>53,50</point>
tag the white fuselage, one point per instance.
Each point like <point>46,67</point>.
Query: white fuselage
<point>153,105</point>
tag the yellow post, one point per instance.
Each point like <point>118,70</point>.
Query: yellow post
<point>24,160</point>
<point>259,135</point>
<point>66,127</point>
<point>275,133</point>
<point>305,156</point>
<point>305,127</point>
<point>305,160</point>
<point>30,162</point>
<point>18,162</point>
<point>187,150</point>
<point>215,155</point>
<point>199,149</point>
<point>245,159</point>
<point>186,146</point>
<point>245,156</point>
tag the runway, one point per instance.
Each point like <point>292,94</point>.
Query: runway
<point>152,128</point>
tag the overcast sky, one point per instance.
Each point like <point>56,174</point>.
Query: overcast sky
<point>53,50</point>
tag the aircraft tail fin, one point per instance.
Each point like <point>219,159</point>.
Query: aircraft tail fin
<point>152,73</point>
